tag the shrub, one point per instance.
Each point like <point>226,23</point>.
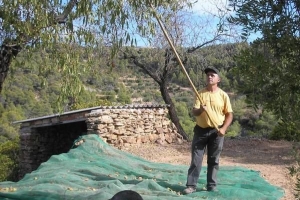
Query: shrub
<point>188,127</point>
<point>286,131</point>
<point>9,156</point>
<point>234,130</point>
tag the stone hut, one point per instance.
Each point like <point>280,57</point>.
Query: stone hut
<point>120,126</point>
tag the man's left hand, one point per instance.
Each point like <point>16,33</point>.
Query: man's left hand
<point>221,132</point>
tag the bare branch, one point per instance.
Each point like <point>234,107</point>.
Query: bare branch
<point>62,18</point>
<point>190,50</point>
<point>136,62</point>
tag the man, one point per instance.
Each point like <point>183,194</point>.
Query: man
<point>213,113</point>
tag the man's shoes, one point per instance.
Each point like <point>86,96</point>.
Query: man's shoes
<point>212,189</point>
<point>189,190</point>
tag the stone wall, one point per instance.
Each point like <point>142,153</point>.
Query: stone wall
<point>40,138</point>
<point>37,145</point>
<point>123,127</point>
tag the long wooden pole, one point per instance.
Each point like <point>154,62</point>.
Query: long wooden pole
<point>180,62</point>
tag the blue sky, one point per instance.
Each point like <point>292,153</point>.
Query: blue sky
<point>213,7</point>
<point>204,23</point>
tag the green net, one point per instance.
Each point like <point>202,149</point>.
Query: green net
<point>95,170</point>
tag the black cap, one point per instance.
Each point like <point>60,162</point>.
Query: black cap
<point>211,69</point>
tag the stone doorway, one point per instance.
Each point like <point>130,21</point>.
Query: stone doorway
<point>43,142</point>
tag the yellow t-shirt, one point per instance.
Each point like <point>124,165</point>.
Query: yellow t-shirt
<point>217,104</point>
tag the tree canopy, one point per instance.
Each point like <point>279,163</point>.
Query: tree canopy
<point>57,27</point>
<point>269,69</point>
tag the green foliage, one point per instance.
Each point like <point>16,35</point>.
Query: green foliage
<point>267,71</point>
<point>239,105</point>
<point>67,33</point>
<point>82,105</point>
<point>104,86</point>
<point>110,96</point>
<point>8,130</point>
<point>264,126</point>
<point>9,152</point>
<point>294,169</point>
<point>186,121</point>
<point>286,131</point>
<point>124,96</point>
<point>262,80</point>
<point>188,126</point>
<point>234,130</point>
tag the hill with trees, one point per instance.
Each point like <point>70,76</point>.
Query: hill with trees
<point>25,96</point>
<point>58,56</point>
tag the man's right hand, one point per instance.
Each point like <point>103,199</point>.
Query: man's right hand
<point>203,107</point>
<point>199,111</point>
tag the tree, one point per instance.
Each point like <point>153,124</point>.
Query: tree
<point>59,27</point>
<point>9,151</point>
<point>269,68</point>
<point>123,95</point>
<point>160,61</point>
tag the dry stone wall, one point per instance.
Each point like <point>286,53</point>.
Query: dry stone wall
<point>123,127</point>
<point>37,145</point>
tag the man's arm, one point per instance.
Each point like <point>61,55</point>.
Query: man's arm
<point>228,120</point>
<point>226,124</point>
<point>198,111</point>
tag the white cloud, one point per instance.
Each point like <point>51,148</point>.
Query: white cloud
<point>210,6</point>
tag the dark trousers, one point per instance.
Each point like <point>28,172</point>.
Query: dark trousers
<point>205,138</point>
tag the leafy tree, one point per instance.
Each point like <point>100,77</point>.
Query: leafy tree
<point>59,28</point>
<point>9,152</point>
<point>225,83</point>
<point>161,62</point>
<point>269,68</point>
<point>9,131</point>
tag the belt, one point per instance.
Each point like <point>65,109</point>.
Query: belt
<point>220,126</point>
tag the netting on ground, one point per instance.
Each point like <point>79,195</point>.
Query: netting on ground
<point>95,170</point>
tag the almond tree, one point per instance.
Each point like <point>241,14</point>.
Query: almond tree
<point>188,33</point>
<point>57,27</point>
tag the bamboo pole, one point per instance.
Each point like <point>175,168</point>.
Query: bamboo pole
<point>180,62</point>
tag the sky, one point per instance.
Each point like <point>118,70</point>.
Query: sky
<point>210,5</point>
<point>207,16</point>
<point>209,8</point>
<point>213,7</point>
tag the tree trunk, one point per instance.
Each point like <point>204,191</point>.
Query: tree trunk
<point>6,55</point>
<point>172,111</point>
<point>162,82</point>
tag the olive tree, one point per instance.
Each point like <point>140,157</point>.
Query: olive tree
<point>268,69</point>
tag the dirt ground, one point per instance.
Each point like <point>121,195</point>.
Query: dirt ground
<point>270,158</point>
